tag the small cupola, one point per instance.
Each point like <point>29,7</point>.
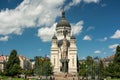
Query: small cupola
<point>54,37</point>
<point>72,37</point>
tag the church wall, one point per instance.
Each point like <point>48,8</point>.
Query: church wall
<point>73,60</point>
<point>55,59</point>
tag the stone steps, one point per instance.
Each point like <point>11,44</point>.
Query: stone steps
<point>65,76</point>
<point>68,78</point>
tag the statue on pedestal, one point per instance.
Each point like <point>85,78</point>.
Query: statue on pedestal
<point>64,58</point>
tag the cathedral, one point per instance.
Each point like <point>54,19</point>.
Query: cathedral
<point>63,48</point>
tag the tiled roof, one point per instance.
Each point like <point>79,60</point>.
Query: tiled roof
<point>1,58</point>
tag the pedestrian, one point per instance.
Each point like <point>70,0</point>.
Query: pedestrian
<point>53,78</point>
<point>50,78</point>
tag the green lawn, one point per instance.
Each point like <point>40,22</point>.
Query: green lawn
<point>7,78</point>
<point>115,79</point>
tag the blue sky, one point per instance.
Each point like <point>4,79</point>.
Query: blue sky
<point>28,25</point>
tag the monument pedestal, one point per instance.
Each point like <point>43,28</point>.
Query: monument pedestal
<point>66,76</point>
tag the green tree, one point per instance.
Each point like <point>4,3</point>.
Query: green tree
<point>43,66</point>
<point>110,70</point>
<point>27,72</point>
<point>117,55</point>
<point>13,64</point>
<point>27,68</point>
<point>38,66</point>
<point>82,69</point>
<point>101,71</point>
<point>89,60</point>
<point>113,69</point>
<point>47,68</point>
<point>86,67</point>
<point>89,64</point>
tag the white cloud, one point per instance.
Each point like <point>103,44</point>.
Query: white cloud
<point>104,53</point>
<point>103,5</point>
<point>113,46</point>
<point>40,49</point>
<point>88,38</point>
<point>77,28</point>
<point>34,13</point>
<point>90,28</point>
<point>4,38</point>
<point>9,1</point>
<point>83,58</point>
<point>97,51</point>
<point>30,13</point>
<point>104,39</point>
<point>74,2</point>
<point>46,33</point>
<point>116,35</point>
<point>91,1</point>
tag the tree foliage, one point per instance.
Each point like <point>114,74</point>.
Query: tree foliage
<point>89,65</point>
<point>113,69</point>
<point>101,72</point>
<point>82,69</point>
<point>117,55</point>
<point>92,67</point>
<point>43,66</point>
<point>27,68</point>
<point>13,64</point>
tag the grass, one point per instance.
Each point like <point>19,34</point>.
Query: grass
<point>115,79</point>
<point>7,78</point>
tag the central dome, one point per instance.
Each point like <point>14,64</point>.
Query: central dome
<point>63,22</point>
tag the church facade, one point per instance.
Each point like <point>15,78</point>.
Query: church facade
<point>63,48</point>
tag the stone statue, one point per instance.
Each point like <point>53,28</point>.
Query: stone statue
<point>64,60</point>
<point>64,32</point>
